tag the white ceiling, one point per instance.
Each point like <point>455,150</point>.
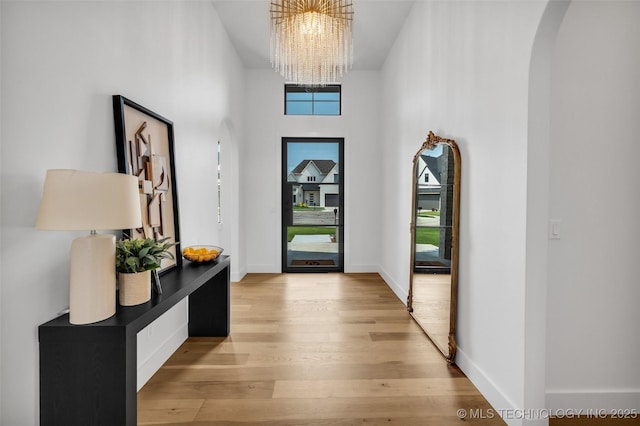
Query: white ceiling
<point>376,24</point>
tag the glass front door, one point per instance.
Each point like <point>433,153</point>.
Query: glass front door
<point>312,204</point>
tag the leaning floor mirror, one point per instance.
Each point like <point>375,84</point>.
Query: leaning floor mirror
<point>433,282</point>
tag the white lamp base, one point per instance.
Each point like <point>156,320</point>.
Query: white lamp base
<point>92,289</point>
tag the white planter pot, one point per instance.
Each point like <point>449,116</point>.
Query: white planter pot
<point>134,289</point>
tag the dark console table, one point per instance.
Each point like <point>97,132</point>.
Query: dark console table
<point>88,373</point>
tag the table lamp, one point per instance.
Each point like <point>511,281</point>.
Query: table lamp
<point>75,200</point>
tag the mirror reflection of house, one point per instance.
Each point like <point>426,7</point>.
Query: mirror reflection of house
<point>434,194</point>
<point>317,183</point>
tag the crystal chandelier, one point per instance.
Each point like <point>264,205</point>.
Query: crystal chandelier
<point>311,40</point>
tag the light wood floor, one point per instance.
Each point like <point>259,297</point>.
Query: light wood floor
<point>312,349</point>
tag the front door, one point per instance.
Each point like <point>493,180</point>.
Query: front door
<point>312,204</point>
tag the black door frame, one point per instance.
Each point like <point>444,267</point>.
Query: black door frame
<point>287,207</point>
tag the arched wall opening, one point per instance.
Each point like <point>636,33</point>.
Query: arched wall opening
<point>538,167</point>
<point>229,199</point>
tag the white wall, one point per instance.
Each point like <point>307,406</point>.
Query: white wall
<point>593,343</point>
<point>461,69</point>
<point>266,124</point>
<point>61,63</point>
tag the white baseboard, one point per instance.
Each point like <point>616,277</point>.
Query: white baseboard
<point>492,393</point>
<point>360,269</point>
<point>592,403</point>
<point>238,275</point>
<point>401,293</point>
<point>149,366</point>
<point>263,269</point>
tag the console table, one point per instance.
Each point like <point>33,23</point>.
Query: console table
<point>88,373</point>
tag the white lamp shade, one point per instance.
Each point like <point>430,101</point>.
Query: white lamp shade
<point>78,200</point>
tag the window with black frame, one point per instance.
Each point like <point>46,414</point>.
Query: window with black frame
<point>324,100</point>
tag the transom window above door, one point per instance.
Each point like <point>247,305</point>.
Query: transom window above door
<point>324,100</point>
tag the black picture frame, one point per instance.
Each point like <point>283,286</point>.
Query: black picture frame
<point>145,148</point>
<point>155,279</point>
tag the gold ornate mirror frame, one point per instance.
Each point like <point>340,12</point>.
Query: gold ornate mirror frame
<point>446,343</point>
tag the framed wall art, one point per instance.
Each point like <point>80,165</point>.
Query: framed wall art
<point>145,149</point>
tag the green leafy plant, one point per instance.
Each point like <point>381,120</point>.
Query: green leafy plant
<point>139,255</point>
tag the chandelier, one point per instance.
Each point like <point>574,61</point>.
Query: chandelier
<point>311,40</point>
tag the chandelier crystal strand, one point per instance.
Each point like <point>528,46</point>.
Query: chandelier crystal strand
<point>311,40</point>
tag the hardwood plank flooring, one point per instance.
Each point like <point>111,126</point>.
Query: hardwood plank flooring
<point>311,349</point>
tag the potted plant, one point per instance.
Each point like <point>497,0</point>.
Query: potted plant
<point>135,259</point>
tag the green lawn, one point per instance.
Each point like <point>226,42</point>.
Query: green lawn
<point>292,231</point>
<point>428,236</point>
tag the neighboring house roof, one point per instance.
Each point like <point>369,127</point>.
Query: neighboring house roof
<point>433,163</point>
<point>324,166</point>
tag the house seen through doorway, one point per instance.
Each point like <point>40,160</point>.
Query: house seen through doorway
<point>312,205</point>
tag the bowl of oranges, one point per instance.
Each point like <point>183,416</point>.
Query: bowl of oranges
<point>201,254</point>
